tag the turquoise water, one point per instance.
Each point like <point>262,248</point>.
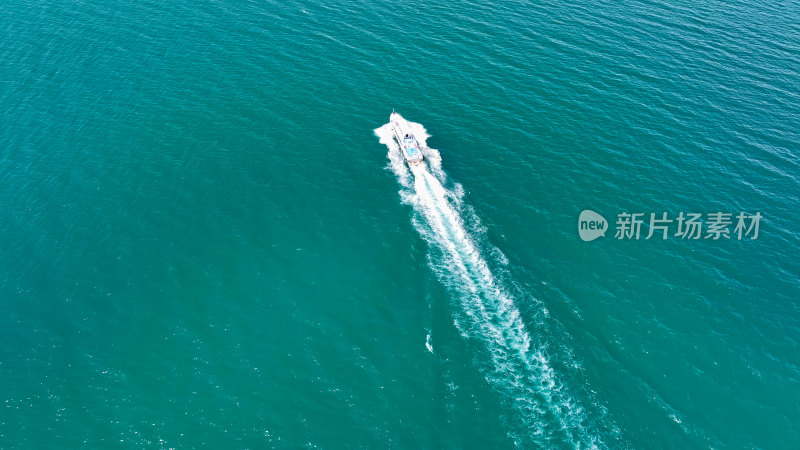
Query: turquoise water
<point>208,241</point>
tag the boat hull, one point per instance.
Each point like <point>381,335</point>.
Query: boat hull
<point>412,151</point>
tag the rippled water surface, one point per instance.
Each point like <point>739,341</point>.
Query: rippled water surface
<point>209,238</point>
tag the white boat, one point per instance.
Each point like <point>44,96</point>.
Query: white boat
<point>405,138</point>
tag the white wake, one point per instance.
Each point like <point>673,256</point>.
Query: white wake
<point>543,412</point>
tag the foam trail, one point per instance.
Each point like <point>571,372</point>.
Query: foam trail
<point>543,412</point>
